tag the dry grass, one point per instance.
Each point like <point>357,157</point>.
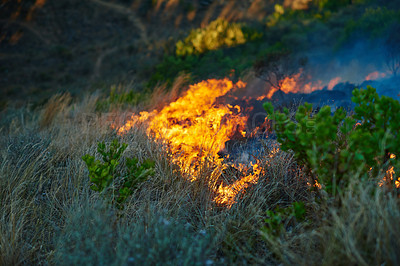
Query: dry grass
<point>50,216</point>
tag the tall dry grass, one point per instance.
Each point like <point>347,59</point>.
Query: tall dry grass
<point>50,216</point>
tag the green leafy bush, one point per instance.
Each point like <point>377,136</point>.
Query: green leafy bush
<point>278,218</point>
<point>219,33</point>
<point>105,173</point>
<point>333,147</point>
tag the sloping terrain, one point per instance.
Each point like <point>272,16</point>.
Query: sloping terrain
<point>205,132</point>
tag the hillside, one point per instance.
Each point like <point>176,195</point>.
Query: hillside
<point>177,132</point>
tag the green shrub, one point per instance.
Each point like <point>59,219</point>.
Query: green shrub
<point>120,97</point>
<point>333,147</point>
<point>105,173</point>
<point>219,33</point>
<point>280,217</point>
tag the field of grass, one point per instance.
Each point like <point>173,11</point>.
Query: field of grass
<point>49,214</point>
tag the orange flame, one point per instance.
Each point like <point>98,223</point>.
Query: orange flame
<point>227,194</point>
<point>390,174</point>
<point>334,82</point>
<point>375,75</point>
<point>195,128</point>
<point>295,84</point>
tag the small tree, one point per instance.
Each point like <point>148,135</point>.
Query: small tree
<point>276,66</point>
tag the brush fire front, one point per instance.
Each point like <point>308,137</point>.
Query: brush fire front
<point>197,127</point>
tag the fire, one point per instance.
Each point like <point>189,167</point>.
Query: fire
<point>227,194</point>
<point>195,129</point>
<point>390,174</point>
<point>334,82</point>
<point>375,75</point>
<point>298,83</point>
<point>287,85</point>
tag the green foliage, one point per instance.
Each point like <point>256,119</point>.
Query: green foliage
<point>104,173</point>
<point>278,218</point>
<point>373,23</point>
<point>119,97</point>
<point>101,174</point>
<point>273,19</point>
<point>215,51</point>
<point>298,20</point>
<point>213,64</point>
<point>219,33</point>
<point>136,173</point>
<point>333,5</point>
<point>333,147</point>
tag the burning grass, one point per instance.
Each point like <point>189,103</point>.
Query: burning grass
<point>50,216</point>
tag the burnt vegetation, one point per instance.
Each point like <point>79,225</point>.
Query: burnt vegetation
<point>94,95</point>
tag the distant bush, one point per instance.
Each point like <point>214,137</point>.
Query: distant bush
<point>332,4</point>
<point>334,147</point>
<point>372,24</point>
<point>213,64</point>
<point>218,34</point>
<point>214,51</point>
<point>104,174</point>
<point>121,98</point>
